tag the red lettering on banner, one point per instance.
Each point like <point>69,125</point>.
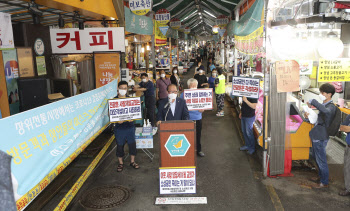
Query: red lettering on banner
<point>101,40</point>
<point>67,38</point>
<point>195,100</point>
<point>202,100</point>
<point>188,101</point>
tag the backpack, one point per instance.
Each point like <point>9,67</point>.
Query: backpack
<point>334,126</point>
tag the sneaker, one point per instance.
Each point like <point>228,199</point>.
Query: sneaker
<point>220,114</point>
<point>155,130</point>
<point>200,154</point>
<point>320,186</point>
<point>250,152</point>
<point>244,148</point>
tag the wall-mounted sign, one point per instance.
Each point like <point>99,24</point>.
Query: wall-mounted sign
<point>73,40</point>
<point>306,67</point>
<point>334,70</point>
<point>222,20</point>
<point>287,75</point>
<point>140,7</point>
<point>107,68</point>
<point>39,47</point>
<point>25,62</point>
<point>41,65</point>
<point>6,33</point>
<point>175,23</point>
<point>162,16</point>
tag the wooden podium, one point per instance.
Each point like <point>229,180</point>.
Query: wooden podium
<point>177,144</point>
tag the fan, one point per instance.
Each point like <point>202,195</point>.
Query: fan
<point>304,83</point>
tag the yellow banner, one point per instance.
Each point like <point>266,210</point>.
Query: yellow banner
<point>159,38</point>
<point>334,70</point>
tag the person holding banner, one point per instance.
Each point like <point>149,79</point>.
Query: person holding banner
<point>124,131</point>
<point>196,115</point>
<point>220,92</point>
<point>247,117</point>
<point>147,87</point>
<point>172,108</point>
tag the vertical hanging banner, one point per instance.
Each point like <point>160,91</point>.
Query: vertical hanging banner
<point>175,23</point>
<point>6,33</point>
<point>287,75</point>
<point>140,7</point>
<point>162,16</point>
<point>137,24</point>
<point>159,38</point>
<point>11,75</point>
<point>107,68</point>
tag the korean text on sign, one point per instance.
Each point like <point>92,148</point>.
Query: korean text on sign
<point>72,40</point>
<point>123,109</point>
<point>177,181</point>
<point>334,70</point>
<point>248,87</point>
<point>199,99</point>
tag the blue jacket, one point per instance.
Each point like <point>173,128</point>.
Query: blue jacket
<point>181,111</point>
<point>325,116</point>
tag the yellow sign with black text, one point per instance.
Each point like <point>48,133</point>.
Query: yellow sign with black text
<point>334,70</point>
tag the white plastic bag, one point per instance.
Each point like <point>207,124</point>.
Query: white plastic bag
<point>312,114</point>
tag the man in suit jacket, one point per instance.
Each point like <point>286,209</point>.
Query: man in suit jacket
<point>172,108</point>
<point>319,135</point>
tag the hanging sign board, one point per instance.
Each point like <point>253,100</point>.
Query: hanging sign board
<point>248,87</point>
<point>137,24</point>
<point>199,99</point>
<point>334,70</point>
<point>162,16</point>
<point>159,36</point>
<point>6,33</point>
<point>221,21</point>
<point>177,180</point>
<point>175,23</point>
<point>73,40</point>
<point>123,109</point>
<point>140,7</point>
<point>287,75</point>
<point>187,30</point>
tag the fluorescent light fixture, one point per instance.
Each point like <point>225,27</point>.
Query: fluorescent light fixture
<point>199,13</point>
<point>228,2</point>
<point>189,15</point>
<point>210,14</point>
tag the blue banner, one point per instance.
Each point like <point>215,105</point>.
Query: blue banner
<point>44,140</point>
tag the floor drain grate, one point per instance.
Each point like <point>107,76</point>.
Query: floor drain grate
<point>105,197</point>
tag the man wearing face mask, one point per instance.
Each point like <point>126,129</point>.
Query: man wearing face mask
<point>196,116</point>
<point>124,131</point>
<point>319,134</point>
<point>147,87</point>
<point>202,79</point>
<point>172,108</point>
<point>162,84</point>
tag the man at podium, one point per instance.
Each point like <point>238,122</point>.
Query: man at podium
<point>172,107</point>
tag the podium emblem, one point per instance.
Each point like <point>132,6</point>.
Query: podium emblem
<point>177,145</point>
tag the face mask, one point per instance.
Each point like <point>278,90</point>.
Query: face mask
<point>200,71</point>
<point>122,92</point>
<point>214,74</point>
<point>162,75</point>
<point>172,96</point>
<point>175,72</point>
<point>323,98</point>
<point>144,80</point>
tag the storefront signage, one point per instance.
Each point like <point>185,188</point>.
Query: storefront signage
<point>140,7</point>
<point>334,70</point>
<point>247,87</point>
<point>6,33</point>
<point>199,99</point>
<point>222,20</point>
<point>306,67</point>
<point>177,145</point>
<point>122,109</point>
<point>107,68</point>
<point>137,24</point>
<point>175,23</point>
<point>41,65</point>
<point>45,140</point>
<point>187,30</point>
<point>73,40</point>
<point>11,74</point>
<point>287,75</point>
<point>177,180</point>
<point>162,16</point>
<point>25,62</point>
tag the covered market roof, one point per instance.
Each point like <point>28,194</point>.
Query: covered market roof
<point>199,15</point>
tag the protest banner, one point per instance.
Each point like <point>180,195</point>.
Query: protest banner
<point>177,180</point>
<point>248,87</point>
<point>45,140</point>
<point>199,99</point>
<point>122,109</point>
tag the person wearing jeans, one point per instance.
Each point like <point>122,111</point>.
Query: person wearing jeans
<point>345,127</point>
<point>247,117</point>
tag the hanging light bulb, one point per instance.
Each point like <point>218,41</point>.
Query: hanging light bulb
<point>331,47</point>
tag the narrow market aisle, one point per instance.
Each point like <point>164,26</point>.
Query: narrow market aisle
<point>224,175</point>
